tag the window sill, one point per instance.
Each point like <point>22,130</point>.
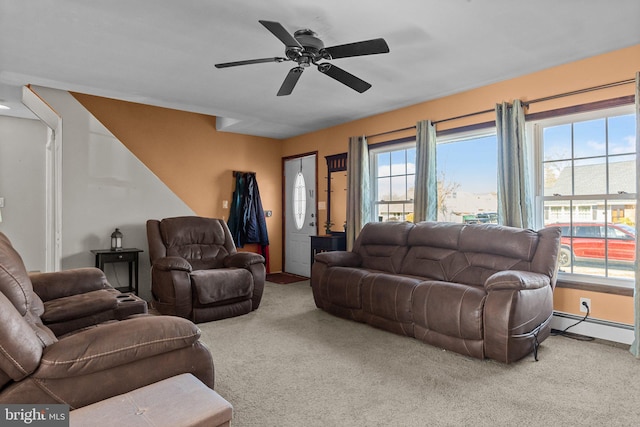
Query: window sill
<point>596,287</point>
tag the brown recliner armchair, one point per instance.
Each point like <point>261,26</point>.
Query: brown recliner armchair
<point>90,364</point>
<point>197,273</point>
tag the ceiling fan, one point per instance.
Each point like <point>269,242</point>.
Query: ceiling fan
<point>305,48</point>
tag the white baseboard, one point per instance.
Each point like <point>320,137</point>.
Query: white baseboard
<point>610,331</point>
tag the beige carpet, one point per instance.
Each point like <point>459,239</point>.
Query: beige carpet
<point>290,364</point>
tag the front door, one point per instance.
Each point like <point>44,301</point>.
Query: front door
<point>300,213</point>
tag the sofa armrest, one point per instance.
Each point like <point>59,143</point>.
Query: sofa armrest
<point>59,284</point>
<point>111,345</point>
<point>243,259</point>
<point>516,280</point>
<point>339,259</point>
<point>172,263</point>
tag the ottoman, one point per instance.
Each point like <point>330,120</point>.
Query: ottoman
<point>178,401</point>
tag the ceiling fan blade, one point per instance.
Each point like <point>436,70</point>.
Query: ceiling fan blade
<point>249,61</point>
<point>344,77</point>
<point>281,33</point>
<point>367,47</point>
<point>290,81</point>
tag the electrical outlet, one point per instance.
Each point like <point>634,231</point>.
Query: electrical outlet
<point>583,309</point>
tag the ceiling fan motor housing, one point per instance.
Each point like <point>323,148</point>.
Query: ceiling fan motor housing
<point>312,47</point>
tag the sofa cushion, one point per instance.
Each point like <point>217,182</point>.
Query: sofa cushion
<point>201,241</point>
<point>111,345</point>
<point>383,246</point>
<point>452,309</point>
<point>493,239</point>
<point>18,357</point>
<point>222,284</point>
<point>15,283</point>
<point>80,305</point>
<point>433,251</point>
<point>389,296</point>
<point>342,286</point>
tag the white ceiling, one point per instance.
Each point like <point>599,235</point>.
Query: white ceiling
<point>162,52</point>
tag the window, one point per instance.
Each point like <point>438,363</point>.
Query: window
<point>299,198</point>
<point>467,179</point>
<point>394,169</point>
<point>587,185</point>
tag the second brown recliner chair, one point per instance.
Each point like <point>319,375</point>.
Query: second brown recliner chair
<point>197,273</point>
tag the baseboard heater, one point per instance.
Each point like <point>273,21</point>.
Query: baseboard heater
<point>596,328</point>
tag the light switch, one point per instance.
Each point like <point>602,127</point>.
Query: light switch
<point>225,204</point>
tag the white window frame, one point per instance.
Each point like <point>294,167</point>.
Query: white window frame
<point>534,132</point>
<point>373,167</point>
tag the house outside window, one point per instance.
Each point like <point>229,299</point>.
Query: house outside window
<point>587,185</point>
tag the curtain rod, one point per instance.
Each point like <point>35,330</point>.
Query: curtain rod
<point>526,104</point>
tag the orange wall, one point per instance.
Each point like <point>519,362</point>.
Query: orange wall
<point>187,153</point>
<point>616,308</point>
<point>603,69</point>
<point>195,161</point>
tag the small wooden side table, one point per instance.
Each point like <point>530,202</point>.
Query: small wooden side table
<point>336,241</point>
<point>128,255</point>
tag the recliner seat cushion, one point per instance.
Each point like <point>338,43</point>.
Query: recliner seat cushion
<point>389,296</point>
<point>342,286</point>
<point>77,306</point>
<point>222,284</point>
<point>451,309</point>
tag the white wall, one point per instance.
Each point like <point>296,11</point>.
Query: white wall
<point>22,185</point>
<point>104,186</point>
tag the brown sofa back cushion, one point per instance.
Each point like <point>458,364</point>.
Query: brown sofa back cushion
<point>433,251</point>
<point>204,242</point>
<point>21,348</point>
<point>469,254</point>
<point>383,245</point>
<point>23,336</point>
<point>15,283</point>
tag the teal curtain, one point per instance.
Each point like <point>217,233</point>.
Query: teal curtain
<point>425,196</point>
<point>358,191</point>
<point>635,347</point>
<point>515,201</point>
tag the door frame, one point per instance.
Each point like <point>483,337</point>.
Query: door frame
<point>283,198</point>
<point>53,176</point>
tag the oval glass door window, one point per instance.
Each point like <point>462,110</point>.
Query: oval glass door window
<point>299,200</point>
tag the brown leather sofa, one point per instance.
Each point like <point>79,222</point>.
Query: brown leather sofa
<point>197,273</point>
<point>81,297</point>
<point>90,364</point>
<point>484,290</point>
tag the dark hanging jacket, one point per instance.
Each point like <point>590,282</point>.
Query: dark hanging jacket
<point>246,218</point>
<point>255,226</point>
